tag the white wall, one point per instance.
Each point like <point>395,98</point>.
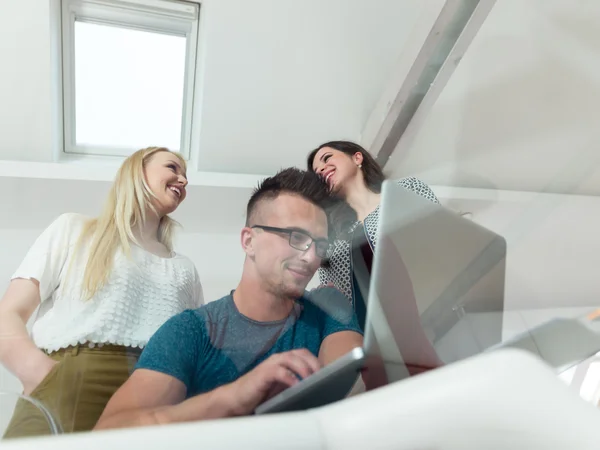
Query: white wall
<point>553,255</point>
<point>552,264</point>
<point>553,246</point>
<point>26,120</point>
<point>218,258</point>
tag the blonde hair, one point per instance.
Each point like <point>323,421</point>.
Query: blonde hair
<point>126,206</point>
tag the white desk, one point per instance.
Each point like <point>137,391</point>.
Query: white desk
<point>502,400</point>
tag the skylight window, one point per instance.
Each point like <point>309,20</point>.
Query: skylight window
<point>128,75</point>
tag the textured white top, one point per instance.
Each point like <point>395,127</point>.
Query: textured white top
<point>140,295</point>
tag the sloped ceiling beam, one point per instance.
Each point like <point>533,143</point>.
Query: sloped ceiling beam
<point>449,38</point>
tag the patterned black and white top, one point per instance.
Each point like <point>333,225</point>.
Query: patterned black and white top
<point>339,271</point>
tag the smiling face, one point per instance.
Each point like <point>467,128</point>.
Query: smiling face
<point>165,175</point>
<point>338,169</point>
<point>280,268</point>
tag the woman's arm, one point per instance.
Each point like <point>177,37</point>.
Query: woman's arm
<point>35,280</point>
<point>18,353</point>
<point>335,273</point>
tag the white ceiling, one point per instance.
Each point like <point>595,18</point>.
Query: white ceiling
<point>281,77</point>
<point>521,110</point>
<point>278,77</point>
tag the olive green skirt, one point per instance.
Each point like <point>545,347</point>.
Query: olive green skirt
<point>76,390</point>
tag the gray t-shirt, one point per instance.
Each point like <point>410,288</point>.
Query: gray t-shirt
<point>215,344</point>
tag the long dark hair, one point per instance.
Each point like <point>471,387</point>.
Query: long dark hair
<point>372,172</point>
<point>341,215</point>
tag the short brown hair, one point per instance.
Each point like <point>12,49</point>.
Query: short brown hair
<point>305,184</point>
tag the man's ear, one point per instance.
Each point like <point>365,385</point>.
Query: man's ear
<point>247,240</point>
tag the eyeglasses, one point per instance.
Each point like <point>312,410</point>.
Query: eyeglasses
<point>300,240</point>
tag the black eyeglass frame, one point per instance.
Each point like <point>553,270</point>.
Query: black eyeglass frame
<point>291,232</point>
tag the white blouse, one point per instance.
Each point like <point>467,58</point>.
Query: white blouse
<point>140,295</point>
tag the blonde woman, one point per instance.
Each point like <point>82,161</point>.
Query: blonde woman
<point>103,287</point>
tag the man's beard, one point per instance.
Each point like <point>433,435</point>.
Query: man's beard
<point>288,291</point>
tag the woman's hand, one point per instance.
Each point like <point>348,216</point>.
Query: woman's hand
<point>37,374</point>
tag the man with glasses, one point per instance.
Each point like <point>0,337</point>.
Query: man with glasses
<point>230,355</point>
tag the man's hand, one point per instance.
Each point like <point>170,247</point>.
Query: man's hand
<point>329,284</point>
<point>271,377</point>
<point>152,398</point>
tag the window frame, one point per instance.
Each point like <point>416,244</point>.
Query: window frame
<point>172,17</point>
